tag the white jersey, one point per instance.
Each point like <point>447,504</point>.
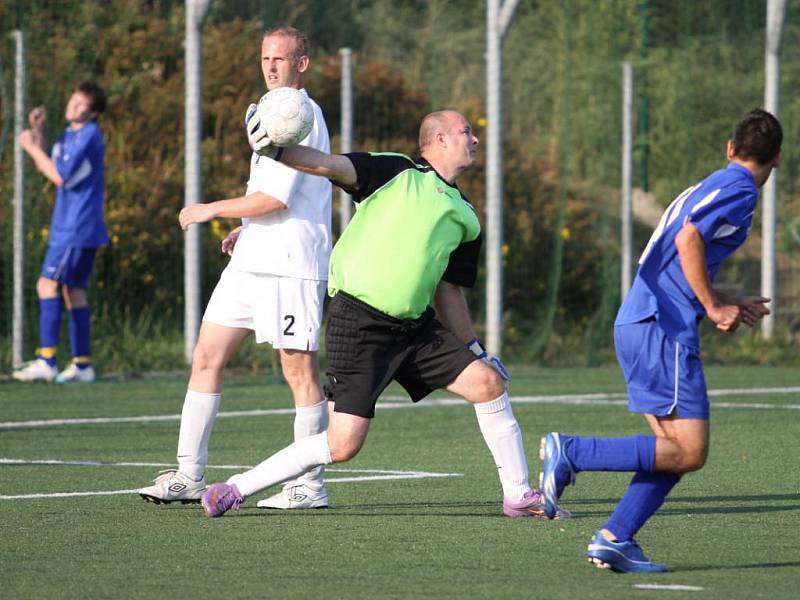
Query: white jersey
<point>295,242</point>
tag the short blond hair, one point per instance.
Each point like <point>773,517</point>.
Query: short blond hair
<point>300,40</point>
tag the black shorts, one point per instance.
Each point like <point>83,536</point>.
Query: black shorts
<point>366,349</point>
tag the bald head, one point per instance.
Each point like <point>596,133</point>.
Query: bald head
<point>447,142</point>
<point>436,122</point>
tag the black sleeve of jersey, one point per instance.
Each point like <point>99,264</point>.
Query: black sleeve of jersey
<point>462,270</point>
<point>372,171</point>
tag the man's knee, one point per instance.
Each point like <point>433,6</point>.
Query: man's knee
<point>692,460</point>
<point>46,288</point>
<point>207,358</point>
<point>346,434</point>
<point>300,369</point>
<point>298,374</point>
<point>486,385</point>
<point>343,448</point>
<point>74,297</point>
<point>684,458</point>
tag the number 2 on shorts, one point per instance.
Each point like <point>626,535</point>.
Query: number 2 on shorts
<point>290,319</point>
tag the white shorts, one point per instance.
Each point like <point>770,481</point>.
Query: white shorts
<point>284,311</point>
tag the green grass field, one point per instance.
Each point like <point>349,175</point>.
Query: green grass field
<point>729,531</point>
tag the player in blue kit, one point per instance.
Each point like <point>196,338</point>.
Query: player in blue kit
<point>658,345</point>
<point>77,229</point>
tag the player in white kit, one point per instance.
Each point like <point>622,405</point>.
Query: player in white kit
<point>274,286</point>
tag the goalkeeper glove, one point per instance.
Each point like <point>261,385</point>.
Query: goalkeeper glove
<point>489,359</point>
<point>257,135</point>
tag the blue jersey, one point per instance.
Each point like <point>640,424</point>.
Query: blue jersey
<point>721,207</point>
<point>78,214</point>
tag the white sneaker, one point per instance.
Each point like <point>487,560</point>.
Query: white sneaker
<point>172,485</point>
<point>296,495</point>
<point>35,370</point>
<point>72,374</point>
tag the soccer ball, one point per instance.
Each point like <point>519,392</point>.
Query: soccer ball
<point>286,115</point>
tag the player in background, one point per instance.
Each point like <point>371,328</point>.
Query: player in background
<point>76,166</point>
<point>273,287</point>
<point>658,345</point>
<point>414,241</point>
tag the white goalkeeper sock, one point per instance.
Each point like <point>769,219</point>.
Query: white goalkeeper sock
<point>294,460</point>
<point>503,436</point>
<point>311,420</point>
<point>197,420</point>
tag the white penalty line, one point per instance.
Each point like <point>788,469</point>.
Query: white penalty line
<point>369,475</point>
<point>399,402</point>
<point>673,587</point>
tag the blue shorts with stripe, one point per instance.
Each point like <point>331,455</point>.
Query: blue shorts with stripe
<point>69,265</point>
<point>664,377</point>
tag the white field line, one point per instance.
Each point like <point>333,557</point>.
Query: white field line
<point>673,587</point>
<point>398,402</point>
<point>374,475</point>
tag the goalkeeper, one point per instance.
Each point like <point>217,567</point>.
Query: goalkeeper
<point>413,242</point>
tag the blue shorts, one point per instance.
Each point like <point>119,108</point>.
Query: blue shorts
<point>69,265</point>
<point>664,377</point>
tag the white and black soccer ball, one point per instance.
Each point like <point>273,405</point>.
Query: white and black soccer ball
<point>286,115</point>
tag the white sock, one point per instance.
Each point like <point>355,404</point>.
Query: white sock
<point>311,420</point>
<point>503,436</point>
<point>197,421</point>
<point>294,460</point>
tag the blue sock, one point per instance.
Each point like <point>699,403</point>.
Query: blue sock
<point>646,493</point>
<point>49,328</point>
<point>79,324</point>
<point>635,453</point>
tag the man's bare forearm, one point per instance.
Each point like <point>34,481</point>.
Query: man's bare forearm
<point>692,252</point>
<point>44,164</point>
<point>452,311</point>
<point>256,204</point>
<point>335,167</point>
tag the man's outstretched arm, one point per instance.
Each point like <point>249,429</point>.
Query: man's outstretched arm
<point>309,160</point>
<point>335,167</point>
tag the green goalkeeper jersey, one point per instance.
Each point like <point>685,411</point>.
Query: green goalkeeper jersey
<point>411,229</point>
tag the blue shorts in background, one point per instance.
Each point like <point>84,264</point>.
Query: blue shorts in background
<point>663,376</point>
<point>69,265</point>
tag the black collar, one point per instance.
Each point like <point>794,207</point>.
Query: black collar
<point>421,161</point>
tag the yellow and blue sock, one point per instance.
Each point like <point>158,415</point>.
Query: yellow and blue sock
<point>49,329</point>
<point>79,330</point>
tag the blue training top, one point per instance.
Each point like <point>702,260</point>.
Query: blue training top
<point>721,207</point>
<point>78,214</point>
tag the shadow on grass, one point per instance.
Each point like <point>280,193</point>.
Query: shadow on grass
<point>699,499</point>
<point>492,508</point>
<point>766,565</point>
<point>761,504</point>
<point>483,508</point>
<point>399,509</point>
<point>751,498</point>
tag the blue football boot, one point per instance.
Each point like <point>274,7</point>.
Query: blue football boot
<point>620,557</point>
<point>557,471</point>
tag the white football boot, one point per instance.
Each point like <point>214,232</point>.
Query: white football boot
<point>35,370</point>
<point>296,495</point>
<point>172,486</point>
<point>73,374</point>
